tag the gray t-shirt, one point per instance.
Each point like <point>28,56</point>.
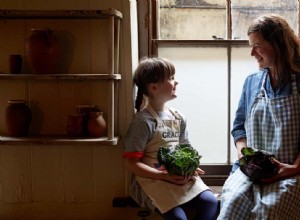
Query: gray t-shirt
<point>143,127</point>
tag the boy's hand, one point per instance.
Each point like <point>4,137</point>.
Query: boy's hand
<point>199,171</point>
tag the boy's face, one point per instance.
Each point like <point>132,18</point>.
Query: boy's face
<point>167,89</point>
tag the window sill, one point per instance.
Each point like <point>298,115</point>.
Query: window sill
<point>217,42</point>
<point>214,180</point>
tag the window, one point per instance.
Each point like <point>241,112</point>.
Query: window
<point>192,20</point>
<point>207,42</point>
<point>217,19</point>
<point>243,12</point>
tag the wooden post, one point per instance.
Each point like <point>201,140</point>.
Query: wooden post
<point>111,65</point>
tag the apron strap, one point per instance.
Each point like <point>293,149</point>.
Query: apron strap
<point>153,113</point>
<point>294,84</point>
<point>263,92</point>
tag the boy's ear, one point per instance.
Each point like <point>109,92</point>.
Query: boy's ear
<point>153,87</point>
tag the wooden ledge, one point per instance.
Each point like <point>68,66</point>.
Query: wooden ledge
<point>59,14</point>
<point>56,139</point>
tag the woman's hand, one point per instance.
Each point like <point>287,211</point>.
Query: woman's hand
<point>285,171</point>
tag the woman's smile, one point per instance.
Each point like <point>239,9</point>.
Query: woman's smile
<point>261,50</point>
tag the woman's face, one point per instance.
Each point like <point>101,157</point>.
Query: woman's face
<point>262,50</point>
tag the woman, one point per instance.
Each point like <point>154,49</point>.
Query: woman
<point>268,118</point>
<point>154,126</point>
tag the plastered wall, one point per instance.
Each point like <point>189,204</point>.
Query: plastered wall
<point>74,181</point>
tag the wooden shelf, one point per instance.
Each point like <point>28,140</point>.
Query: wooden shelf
<point>59,14</point>
<point>4,76</point>
<point>57,139</point>
<point>113,18</point>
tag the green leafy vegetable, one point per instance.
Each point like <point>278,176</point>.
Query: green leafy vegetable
<point>257,164</point>
<point>180,160</point>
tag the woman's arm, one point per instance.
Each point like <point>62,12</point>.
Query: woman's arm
<point>251,89</point>
<point>238,129</point>
<point>240,144</point>
<point>238,132</point>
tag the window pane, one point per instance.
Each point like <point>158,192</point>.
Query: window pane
<point>242,65</point>
<point>202,97</point>
<point>192,19</point>
<point>243,12</point>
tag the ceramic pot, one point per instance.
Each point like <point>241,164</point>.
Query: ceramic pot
<point>96,124</point>
<point>43,51</point>
<point>15,63</point>
<point>85,110</point>
<point>74,125</point>
<point>18,118</point>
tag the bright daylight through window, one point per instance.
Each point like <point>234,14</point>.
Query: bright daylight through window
<point>211,68</point>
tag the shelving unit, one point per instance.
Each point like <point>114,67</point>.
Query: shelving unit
<point>113,18</point>
<point>57,139</point>
<point>81,77</point>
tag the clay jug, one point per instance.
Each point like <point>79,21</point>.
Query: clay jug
<point>15,63</point>
<point>43,51</point>
<point>18,118</point>
<point>85,110</point>
<point>74,126</point>
<point>96,124</point>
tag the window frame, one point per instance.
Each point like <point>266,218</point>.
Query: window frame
<point>149,42</point>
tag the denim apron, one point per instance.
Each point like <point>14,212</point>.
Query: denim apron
<point>272,125</point>
<point>161,194</point>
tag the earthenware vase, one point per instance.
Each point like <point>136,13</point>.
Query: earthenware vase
<point>43,51</point>
<point>74,125</point>
<point>85,110</point>
<point>96,124</point>
<point>18,118</point>
<point>15,63</point>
